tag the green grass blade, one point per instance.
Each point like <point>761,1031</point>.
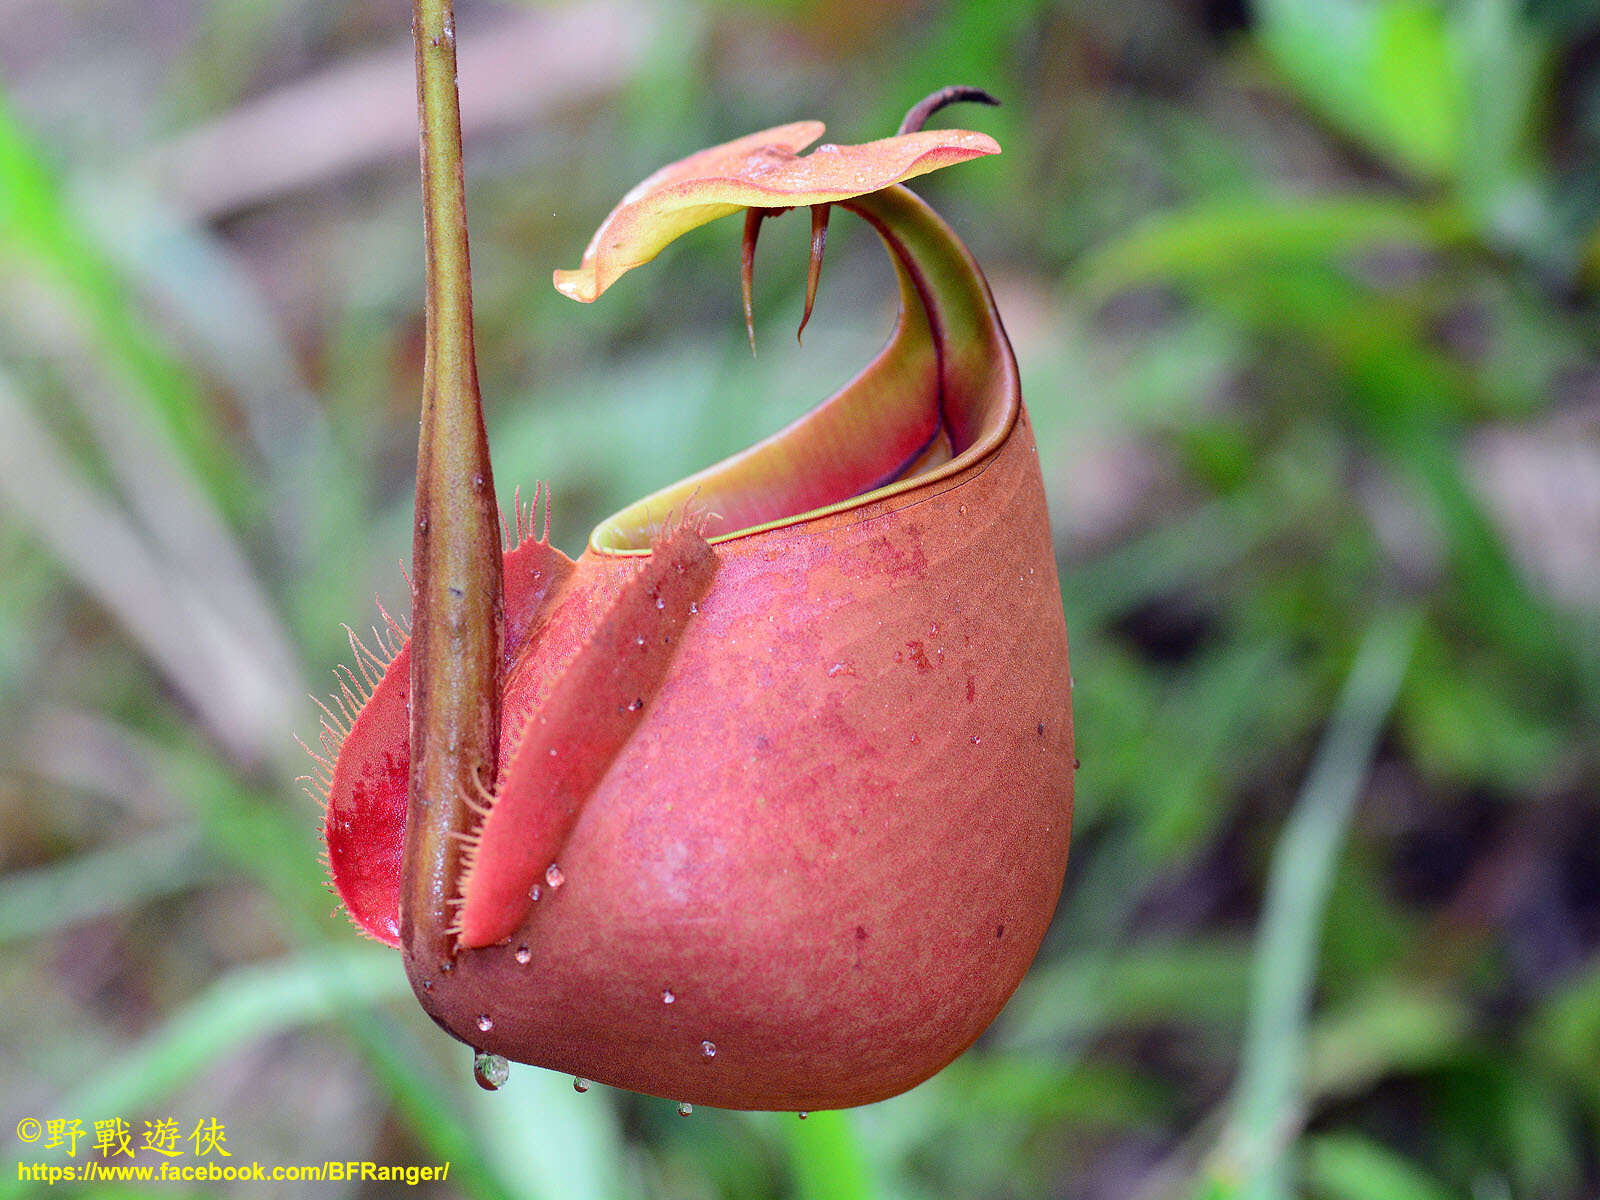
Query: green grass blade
<point>249,1004</point>
<point>827,1159</point>
<point>432,1113</point>
<point>39,902</point>
<point>1346,1166</point>
<point>1269,1093</point>
<point>557,1144</point>
<point>1252,231</point>
<point>38,226</point>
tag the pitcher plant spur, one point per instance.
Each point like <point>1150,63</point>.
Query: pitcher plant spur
<point>784,779</point>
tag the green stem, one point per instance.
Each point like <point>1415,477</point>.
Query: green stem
<point>457,600</point>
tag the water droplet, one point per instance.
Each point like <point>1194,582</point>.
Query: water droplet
<point>427,985</point>
<point>827,148</point>
<point>447,967</point>
<point>639,640</point>
<point>552,751</point>
<point>579,1084</point>
<point>667,997</point>
<point>802,1115</point>
<point>523,955</point>
<point>636,704</point>
<point>976,739</point>
<point>915,739</point>
<point>484,1022</point>
<point>933,629</point>
<point>660,603</point>
<point>535,892</point>
<point>693,607</point>
<point>554,877</point>
<point>838,668</point>
<point>709,1049</point>
<point>490,1070</point>
<point>685,1109</point>
<point>963,510</point>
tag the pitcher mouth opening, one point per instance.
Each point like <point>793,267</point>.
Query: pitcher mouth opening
<point>926,408</point>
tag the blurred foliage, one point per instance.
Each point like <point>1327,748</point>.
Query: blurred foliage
<point>1304,297</point>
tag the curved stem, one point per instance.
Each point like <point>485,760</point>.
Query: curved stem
<point>917,116</point>
<point>457,597</point>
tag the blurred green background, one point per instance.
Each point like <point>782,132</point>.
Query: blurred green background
<point>1304,296</point>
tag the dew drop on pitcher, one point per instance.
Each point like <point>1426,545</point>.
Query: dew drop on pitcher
<point>490,1070</point>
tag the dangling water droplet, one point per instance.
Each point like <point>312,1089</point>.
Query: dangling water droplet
<point>685,1109</point>
<point>709,1049</point>
<point>484,1022</point>
<point>579,1084</point>
<point>554,876</point>
<point>802,1115</point>
<point>490,1070</point>
<point>523,955</point>
<point>667,997</point>
<point>535,892</point>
